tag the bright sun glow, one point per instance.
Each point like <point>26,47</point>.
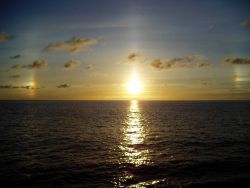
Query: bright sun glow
<point>134,86</point>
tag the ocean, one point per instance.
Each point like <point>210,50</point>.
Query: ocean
<point>124,144</point>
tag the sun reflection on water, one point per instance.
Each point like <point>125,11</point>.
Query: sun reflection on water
<point>134,151</point>
<point>134,134</point>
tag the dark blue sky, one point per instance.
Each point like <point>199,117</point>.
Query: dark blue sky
<point>194,22</point>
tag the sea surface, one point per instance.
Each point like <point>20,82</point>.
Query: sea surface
<point>124,144</point>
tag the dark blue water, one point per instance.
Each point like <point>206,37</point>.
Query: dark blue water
<point>124,144</point>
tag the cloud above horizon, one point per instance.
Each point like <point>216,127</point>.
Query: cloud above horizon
<point>133,57</point>
<point>73,45</point>
<point>71,64</point>
<point>5,37</point>
<point>181,62</point>
<point>16,66</point>
<point>17,87</point>
<point>204,82</point>
<point>18,56</point>
<point>63,86</point>
<point>37,64</point>
<point>237,61</point>
<point>89,67</point>
<point>246,23</point>
<point>15,76</point>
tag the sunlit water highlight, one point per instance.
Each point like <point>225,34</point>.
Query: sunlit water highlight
<point>134,132</point>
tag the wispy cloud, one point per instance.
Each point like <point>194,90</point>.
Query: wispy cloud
<point>16,66</point>
<point>246,23</point>
<point>203,65</point>
<point>89,67</point>
<point>5,37</point>
<point>133,57</point>
<point>37,64</point>
<point>74,45</point>
<point>18,56</point>
<point>71,64</point>
<point>237,61</point>
<point>204,82</point>
<point>17,87</point>
<point>15,76</point>
<point>63,86</point>
<point>198,61</point>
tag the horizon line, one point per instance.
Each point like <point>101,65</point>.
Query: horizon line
<point>156,100</point>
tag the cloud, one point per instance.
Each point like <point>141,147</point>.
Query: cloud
<point>180,62</point>
<point>8,87</point>
<point>16,66</point>
<point>237,61</point>
<point>18,56</point>
<point>5,37</point>
<point>15,76</point>
<point>211,27</point>
<point>133,58</point>
<point>204,82</point>
<point>17,87</point>
<point>160,64</point>
<point>38,64</point>
<point>74,45</point>
<point>246,23</point>
<point>203,65</point>
<point>89,67</point>
<point>63,86</point>
<point>71,64</point>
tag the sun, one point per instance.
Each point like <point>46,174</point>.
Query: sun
<point>134,85</point>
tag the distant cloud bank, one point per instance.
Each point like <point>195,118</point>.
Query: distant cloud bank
<point>237,61</point>
<point>37,64</point>
<point>246,23</point>
<point>71,64</point>
<point>180,62</point>
<point>73,45</point>
<point>17,87</point>
<point>5,36</point>
<point>18,56</point>
<point>63,86</point>
<point>89,67</point>
<point>15,76</point>
<point>133,57</point>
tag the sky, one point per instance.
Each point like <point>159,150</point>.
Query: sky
<point>90,49</point>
